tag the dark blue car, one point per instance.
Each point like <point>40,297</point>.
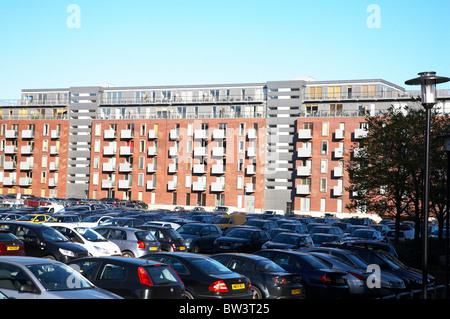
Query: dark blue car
<point>242,240</point>
<point>199,237</point>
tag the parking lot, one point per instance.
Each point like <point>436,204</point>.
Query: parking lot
<point>126,251</point>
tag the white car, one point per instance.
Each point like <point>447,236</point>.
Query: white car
<point>94,221</point>
<point>96,244</point>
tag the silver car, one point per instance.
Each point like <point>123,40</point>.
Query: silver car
<point>38,278</point>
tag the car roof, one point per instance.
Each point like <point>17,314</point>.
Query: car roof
<point>243,255</point>
<point>134,261</point>
<point>26,260</point>
<point>23,224</point>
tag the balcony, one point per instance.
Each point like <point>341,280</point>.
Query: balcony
<point>337,191</point>
<point>303,171</point>
<point>251,152</point>
<point>152,151</point>
<point>109,150</point>
<point>218,152</point>
<point>52,182</point>
<point>217,169</point>
<point>27,134</point>
<point>11,134</point>
<point>10,149</point>
<point>125,150</point>
<point>124,184</point>
<point>249,188</point>
<point>339,134</point>
<point>338,153</point>
<point>219,134</point>
<point>126,134</point>
<point>174,135</point>
<point>109,134</point>
<point>251,170</point>
<point>152,135</point>
<point>200,151</point>
<point>54,150</point>
<point>173,168</point>
<point>10,165</point>
<point>9,181</point>
<point>199,169</point>
<point>109,167</point>
<point>151,168</point>
<point>303,189</point>
<point>198,186</point>
<point>173,151</point>
<point>252,134</point>
<point>107,183</point>
<point>125,168</point>
<point>304,152</point>
<point>151,185</point>
<point>25,181</point>
<point>338,171</point>
<point>200,134</point>
<point>360,133</point>
<point>172,185</point>
<point>217,187</point>
<point>55,134</point>
<point>53,166</point>
<point>27,150</point>
<point>26,166</point>
<point>304,134</point>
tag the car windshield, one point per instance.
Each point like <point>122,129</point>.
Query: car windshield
<point>222,220</point>
<point>211,267</point>
<point>290,239</point>
<point>190,229</point>
<point>59,277</point>
<point>240,233</point>
<point>51,234</point>
<point>267,266</point>
<point>8,237</point>
<point>318,230</point>
<point>27,218</point>
<point>91,219</point>
<point>362,233</point>
<point>89,234</point>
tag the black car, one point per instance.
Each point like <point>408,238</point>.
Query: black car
<point>131,278</point>
<point>262,224</point>
<point>43,241</point>
<point>199,237</point>
<point>123,222</point>
<point>204,277</point>
<point>388,263</point>
<point>169,238</point>
<point>288,240</point>
<point>242,240</point>
<point>318,279</point>
<point>269,281</point>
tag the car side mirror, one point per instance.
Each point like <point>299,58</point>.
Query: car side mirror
<point>27,288</point>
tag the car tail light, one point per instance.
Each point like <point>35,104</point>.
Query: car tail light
<point>249,285</point>
<point>279,280</point>
<point>218,286</point>
<point>326,280</point>
<point>141,244</point>
<point>174,247</point>
<point>144,278</point>
<point>360,277</point>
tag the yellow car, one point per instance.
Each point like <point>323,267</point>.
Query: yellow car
<point>36,218</point>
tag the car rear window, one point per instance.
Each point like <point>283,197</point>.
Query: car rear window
<point>7,237</point>
<point>145,236</point>
<point>162,275</point>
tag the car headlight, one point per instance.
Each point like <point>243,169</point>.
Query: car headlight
<point>101,250</point>
<point>188,240</point>
<point>66,252</point>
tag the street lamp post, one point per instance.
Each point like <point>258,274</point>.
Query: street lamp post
<point>446,138</point>
<point>427,81</point>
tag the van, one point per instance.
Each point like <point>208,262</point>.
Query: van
<point>227,221</point>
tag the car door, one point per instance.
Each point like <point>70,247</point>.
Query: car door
<point>31,241</point>
<point>12,278</point>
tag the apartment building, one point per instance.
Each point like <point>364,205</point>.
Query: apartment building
<point>253,146</point>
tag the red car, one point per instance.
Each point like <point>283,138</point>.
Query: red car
<point>10,245</point>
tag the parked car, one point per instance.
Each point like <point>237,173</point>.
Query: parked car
<point>133,242</point>
<point>269,281</point>
<point>300,229</point>
<point>43,241</point>
<point>10,216</point>
<point>96,244</point>
<point>318,279</point>
<point>94,220</point>
<point>37,278</point>
<point>36,202</point>
<point>10,244</point>
<point>373,245</point>
<point>169,239</point>
<point>227,221</point>
<point>288,241</point>
<point>64,218</point>
<point>199,237</point>
<point>383,229</point>
<point>123,222</point>
<point>328,229</point>
<point>36,218</point>
<point>242,240</point>
<point>366,234</point>
<point>262,224</point>
<point>131,278</point>
<point>389,284</point>
<point>320,239</point>
<point>204,277</point>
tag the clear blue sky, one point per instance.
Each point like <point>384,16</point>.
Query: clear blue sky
<point>165,42</point>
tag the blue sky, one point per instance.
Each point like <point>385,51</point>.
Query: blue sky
<point>170,42</point>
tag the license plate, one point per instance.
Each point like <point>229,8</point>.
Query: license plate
<point>224,247</point>
<point>295,291</point>
<point>339,281</point>
<point>153,248</point>
<point>238,286</point>
<point>182,248</point>
<point>12,248</point>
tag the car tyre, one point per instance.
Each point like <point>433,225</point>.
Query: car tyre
<point>257,294</point>
<point>50,257</point>
<point>188,295</point>
<point>196,248</point>
<point>127,254</point>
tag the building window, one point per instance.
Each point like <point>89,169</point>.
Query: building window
<point>325,126</point>
<point>96,163</point>
<point>95,179</point>
<point>141,163</point>
<point>142,146</point>
<point>241,129</point>
<point>324,148</point>
<point>323,185</point>
<point>240,182</point>
<point>98,129</point>
<point>323,166</point>
<point>323,205</point>
<point>140,179</point>
<point>305,204</point>
<point>187,181</point>
<point>97,146</point>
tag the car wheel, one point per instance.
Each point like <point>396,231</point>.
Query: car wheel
<point>188,295</point>
<point>127,254</point>
<point>196,248</point>
<point>50,257</point>
<point>257,294</point>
